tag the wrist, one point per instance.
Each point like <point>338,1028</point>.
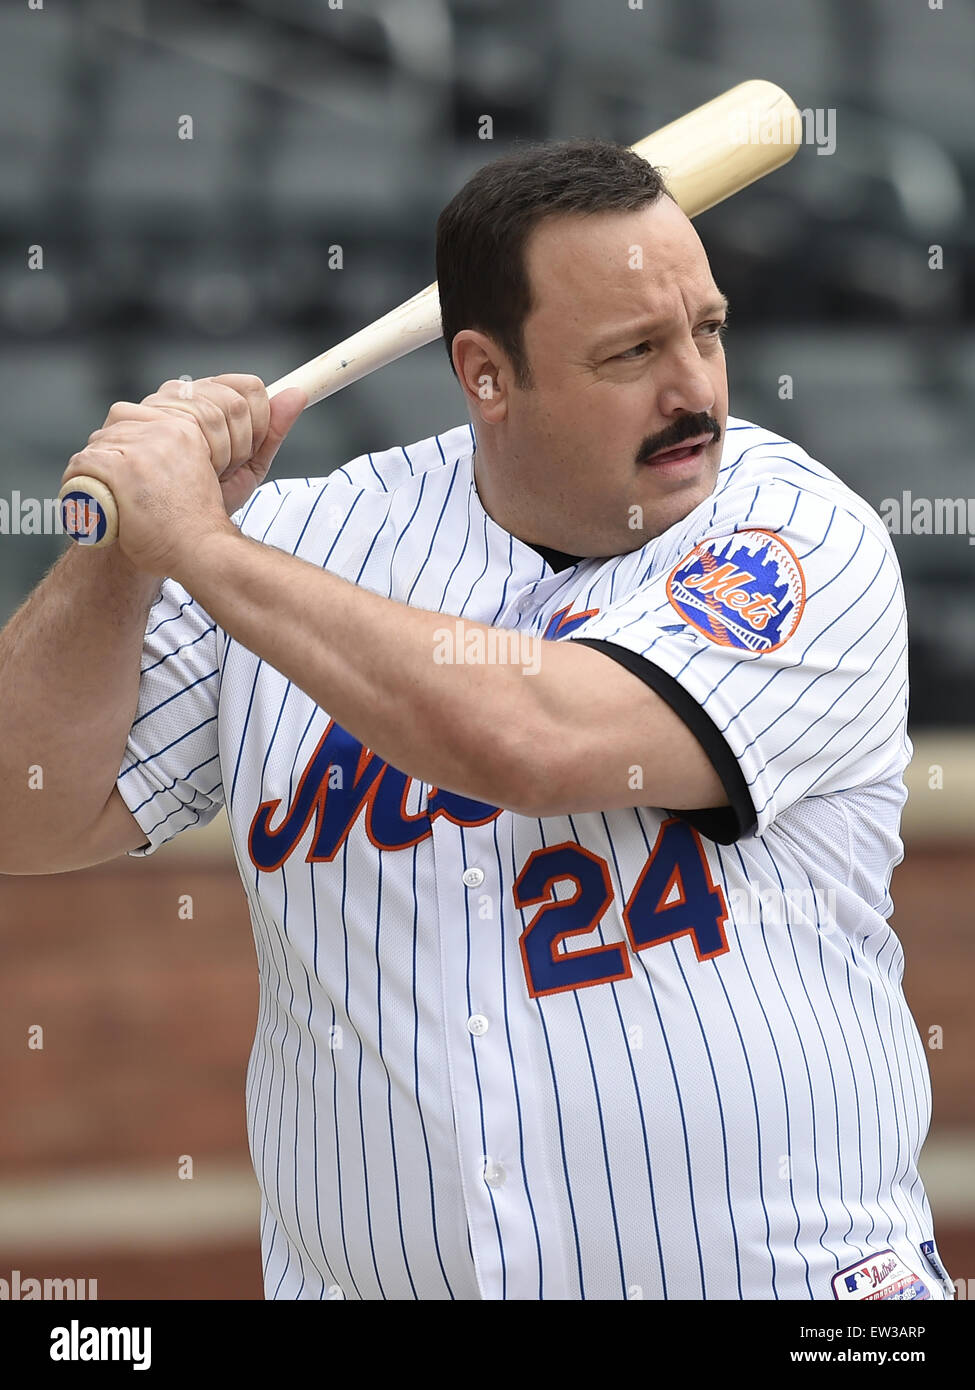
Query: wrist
<point>203,557</point>
<point>119,572</point>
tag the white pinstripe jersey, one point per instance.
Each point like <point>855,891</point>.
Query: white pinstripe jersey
<point>600,1056</point>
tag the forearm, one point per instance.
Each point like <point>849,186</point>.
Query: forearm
<point>387,673</point>
<point>69,673</point>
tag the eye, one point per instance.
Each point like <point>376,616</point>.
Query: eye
<point>718,328</point>
<point>631,354</point>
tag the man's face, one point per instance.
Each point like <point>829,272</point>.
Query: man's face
<point>626,359</point>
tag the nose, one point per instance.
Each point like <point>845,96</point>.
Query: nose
<point>687,384</point>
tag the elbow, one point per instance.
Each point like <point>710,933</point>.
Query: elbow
<point>535,780</point>
<point>22,867</point>
<point>31,864</point>
<point>17,860</point>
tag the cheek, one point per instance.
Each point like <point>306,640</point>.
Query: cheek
<point>720,380</point>
<point>569,419</point>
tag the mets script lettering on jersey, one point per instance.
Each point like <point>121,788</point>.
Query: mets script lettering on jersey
<point>504,1057</point>
<point>341,782</point>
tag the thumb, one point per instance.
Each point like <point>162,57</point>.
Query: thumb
<point>285,409</point>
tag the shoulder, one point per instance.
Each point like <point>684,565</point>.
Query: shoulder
<point>778,529</point>
<point>767,483</point>
<point>761,469</point>
<point>401,465</point>
<point>284,511</point>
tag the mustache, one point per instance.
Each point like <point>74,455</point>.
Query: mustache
<point>688,427</point>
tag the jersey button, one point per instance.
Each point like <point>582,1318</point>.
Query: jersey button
<point>494,1174</point>
<point>478,1025</point>
<point>473,878</point>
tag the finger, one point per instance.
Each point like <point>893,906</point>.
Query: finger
<point>243,400</point>
<point>254,391</point>
<point>221,415</point>
<point>126,410</point>
<point>129,429</point>
<point>91,460</point>
<point>237,432</point>
<point>284,411</point>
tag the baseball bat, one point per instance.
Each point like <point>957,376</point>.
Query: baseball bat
<point>705,156</point>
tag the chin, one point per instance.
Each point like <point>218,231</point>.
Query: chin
<point>666,508</point>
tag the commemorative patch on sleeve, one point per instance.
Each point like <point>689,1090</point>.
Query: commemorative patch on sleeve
<point>746,590</point>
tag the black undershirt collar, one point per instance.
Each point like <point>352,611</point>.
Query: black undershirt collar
<point>556,559</point>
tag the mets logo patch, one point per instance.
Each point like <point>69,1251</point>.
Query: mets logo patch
<point>746,590</point>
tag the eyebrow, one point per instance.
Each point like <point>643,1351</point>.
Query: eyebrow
<point>646,327</point>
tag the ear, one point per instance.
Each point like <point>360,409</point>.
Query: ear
<point>484,372</point>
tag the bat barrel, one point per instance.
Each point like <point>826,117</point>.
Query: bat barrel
<point>723,146</point>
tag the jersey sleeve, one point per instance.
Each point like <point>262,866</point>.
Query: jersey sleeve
<point>170,775</point>
<point>782,645</point>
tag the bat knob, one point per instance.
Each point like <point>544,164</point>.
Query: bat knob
<point>88,512</point>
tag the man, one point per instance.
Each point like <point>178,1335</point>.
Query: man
<point>575,975</point>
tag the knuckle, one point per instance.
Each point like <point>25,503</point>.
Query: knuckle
<point>180,425</point>
<point>242,381</point>
<point>209,414</point>
<point>186,424</point>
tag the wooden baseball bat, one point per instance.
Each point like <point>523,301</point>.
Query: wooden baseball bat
<point>715,150</point>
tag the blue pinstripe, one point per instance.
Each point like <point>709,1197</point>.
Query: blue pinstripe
<point>477,1078</point>
<point>876,1093</point>
<point>802,1049</point>
<point>751,1078</point>
<point>389,1083</point>
<point>629,1056</point>
<point>558,1113</point>
<point>778,1060</point>
<point>416,1088</point>
<point>514,1078</point>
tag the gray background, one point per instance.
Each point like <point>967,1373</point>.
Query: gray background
<point>315,127</point>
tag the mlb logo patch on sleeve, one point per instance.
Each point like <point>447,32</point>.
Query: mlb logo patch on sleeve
<point>880,1276</point>
<point>746,590</point>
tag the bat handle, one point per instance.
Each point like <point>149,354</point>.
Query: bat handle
<point>88,512</point>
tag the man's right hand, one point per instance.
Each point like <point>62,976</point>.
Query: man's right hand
<point>241,427</point>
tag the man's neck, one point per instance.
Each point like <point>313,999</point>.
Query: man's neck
<point>555,559</point>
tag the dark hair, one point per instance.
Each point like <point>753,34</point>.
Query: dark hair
<point>482,232</point>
